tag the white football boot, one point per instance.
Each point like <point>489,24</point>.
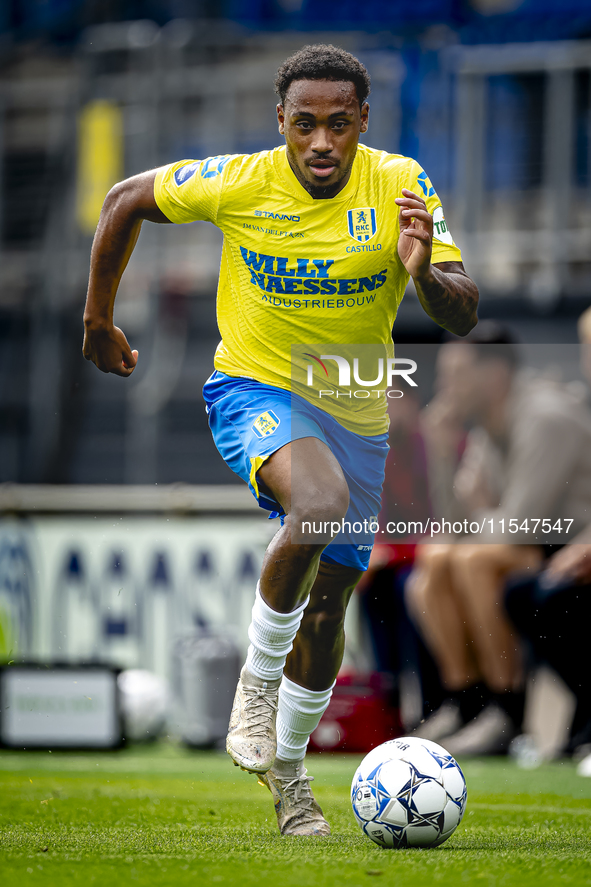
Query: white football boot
<point>252,736</point>
<point>297,811</point>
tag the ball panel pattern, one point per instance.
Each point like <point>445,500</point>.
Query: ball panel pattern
<point>421,835</point>
<point>408,792</point>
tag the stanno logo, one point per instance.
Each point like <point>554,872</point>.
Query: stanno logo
<point>361,223</point>
<point>279,217</point>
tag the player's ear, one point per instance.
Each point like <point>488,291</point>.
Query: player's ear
<point>364,126</point>
<point>281,118</point>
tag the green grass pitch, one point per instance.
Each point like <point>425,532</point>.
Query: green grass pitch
<point>164,815</point>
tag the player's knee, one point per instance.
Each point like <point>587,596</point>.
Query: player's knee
<point>326,507</point>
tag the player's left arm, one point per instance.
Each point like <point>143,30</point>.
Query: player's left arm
<point>445,291</point>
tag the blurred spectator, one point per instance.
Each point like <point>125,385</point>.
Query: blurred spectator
<point>407,496</point>
<point>553,610</point>
<point>527,456</point>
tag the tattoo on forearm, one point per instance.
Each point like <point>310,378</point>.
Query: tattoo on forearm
<point>450,298</point>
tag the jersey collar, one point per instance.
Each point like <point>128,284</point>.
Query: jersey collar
<point>293,186</point>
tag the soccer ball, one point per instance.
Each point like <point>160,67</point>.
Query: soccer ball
<point>408,792</point>
<point>144,701</point>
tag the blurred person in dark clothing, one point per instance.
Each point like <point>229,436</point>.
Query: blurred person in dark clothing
<point>407,497</point>
<point>405,494</point>
<point>553,610</point>
<point>528,456</point>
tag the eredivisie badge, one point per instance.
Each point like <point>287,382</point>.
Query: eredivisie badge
<point>361,223</point>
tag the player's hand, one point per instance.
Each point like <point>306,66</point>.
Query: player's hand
<point>109,349</point>
<point>416,233</point>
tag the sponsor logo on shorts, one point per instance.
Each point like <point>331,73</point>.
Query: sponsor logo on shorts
<point>265,424</point>
<point>361,223</point>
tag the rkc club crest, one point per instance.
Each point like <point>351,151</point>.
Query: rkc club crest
<point>266,424</point>
<point>362,223</point>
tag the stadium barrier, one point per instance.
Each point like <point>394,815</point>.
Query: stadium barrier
<point>119,574</point>
<point>122,573</point>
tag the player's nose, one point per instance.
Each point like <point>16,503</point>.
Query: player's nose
<point>322,142</point>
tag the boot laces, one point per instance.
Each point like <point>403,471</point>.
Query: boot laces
<point>298,789</point>
<point>260,709</point>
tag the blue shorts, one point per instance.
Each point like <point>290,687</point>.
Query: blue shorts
<point>250,421</point>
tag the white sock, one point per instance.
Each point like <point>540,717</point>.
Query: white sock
<point>271,637</point>
<point>298,716</point>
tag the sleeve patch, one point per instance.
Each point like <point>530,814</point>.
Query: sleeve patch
<point>440,230</point>
<point>426,186</point>
<point>184,173</point>
<point>213,166</point>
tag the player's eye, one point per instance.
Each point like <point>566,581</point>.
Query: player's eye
<point>340,124</point>
<point>304,124</point>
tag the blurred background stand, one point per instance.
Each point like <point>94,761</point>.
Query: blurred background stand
<point>121,528</point>
<point>501,128</point>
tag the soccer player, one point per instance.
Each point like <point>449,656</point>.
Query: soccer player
<point>320,238</point>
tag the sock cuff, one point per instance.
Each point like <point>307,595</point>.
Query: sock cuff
<point>271,637</point>
<point>295,693</point>
<point>274,616</point>
<point>298,716</point>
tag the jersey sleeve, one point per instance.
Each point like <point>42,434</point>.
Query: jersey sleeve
<point>191,190</point>
<point>444,248</point>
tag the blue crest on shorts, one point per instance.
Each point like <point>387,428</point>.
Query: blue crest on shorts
<point>362,223</point>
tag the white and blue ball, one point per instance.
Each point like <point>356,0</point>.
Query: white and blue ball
<point>408,792</point>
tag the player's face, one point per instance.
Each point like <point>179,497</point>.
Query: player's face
<point>321,121</point>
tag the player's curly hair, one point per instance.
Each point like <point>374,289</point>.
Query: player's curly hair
<point>323,61</point>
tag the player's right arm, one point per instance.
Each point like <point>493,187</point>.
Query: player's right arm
<point>126,206</point>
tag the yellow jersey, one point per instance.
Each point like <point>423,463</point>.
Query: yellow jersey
<point>297,271</point>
